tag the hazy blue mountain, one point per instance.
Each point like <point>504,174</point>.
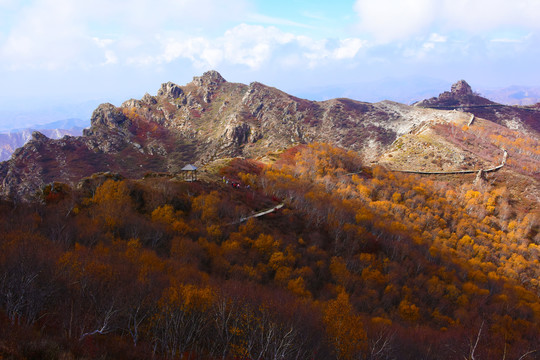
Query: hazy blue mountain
<point>402,90</point>
<point>514,95</point>
<point>19,116</point>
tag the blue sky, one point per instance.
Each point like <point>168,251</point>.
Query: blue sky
<point>67,55</point>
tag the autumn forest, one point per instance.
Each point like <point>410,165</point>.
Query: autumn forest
<point>360,263</point>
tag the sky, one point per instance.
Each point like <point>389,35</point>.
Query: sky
<point>60,58</point>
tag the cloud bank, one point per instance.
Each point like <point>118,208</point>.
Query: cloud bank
<point>255,45</point>
<point>392,20</point>
<point>56,34</point>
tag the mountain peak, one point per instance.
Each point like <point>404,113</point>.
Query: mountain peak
<point>211,77</point>
<point>207,84</point>
<point>38,136</point>
<point>461,88</point>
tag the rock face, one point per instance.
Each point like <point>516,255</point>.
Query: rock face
<point>461,89</point>
<point>206,119</point>
<point>208,84</point>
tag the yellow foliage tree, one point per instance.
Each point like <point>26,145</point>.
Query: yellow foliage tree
<point>112,200</point>
<point>344,328</point>
<point>408,311</point>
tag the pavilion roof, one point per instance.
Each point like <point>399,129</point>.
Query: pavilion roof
<point>189,167</point>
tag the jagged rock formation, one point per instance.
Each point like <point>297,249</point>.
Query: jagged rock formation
<point>461,89</point>
<point>209,118</point>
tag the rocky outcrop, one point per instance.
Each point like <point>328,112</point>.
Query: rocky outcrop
<point>238,135</point>
<point>461,89</point>
<point>210,79</point>
<point>38,137</point>
<point>148,99</point>
<point>460,94</point>
<point>208,83</point>
<point>13,140</point>
<point>170,90</point>
<point>461,97</point>
<point>107,117</point>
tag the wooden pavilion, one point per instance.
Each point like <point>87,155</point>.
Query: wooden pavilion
<point>189,172</point>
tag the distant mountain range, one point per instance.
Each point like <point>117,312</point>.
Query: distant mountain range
<point>402,90</point>
<point>514,95</point>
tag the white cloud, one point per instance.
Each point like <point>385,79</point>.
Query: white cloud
<point>110,58</point>
<point>253,46</point>
<point>507,41</point>
<point>53,34</point>
<point>143,16</point>
<point>103,43</point>
<point>348,48</point>
<point>422,49</point>
<point>437,38</point>
<point>7,3</point>
<point>69,34</point>
<point>47,35</point>
<point>482,15</point>
<point>391,20</point>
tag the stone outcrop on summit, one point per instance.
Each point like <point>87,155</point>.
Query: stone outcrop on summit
<point>461,96</point>
<point>461,89</point>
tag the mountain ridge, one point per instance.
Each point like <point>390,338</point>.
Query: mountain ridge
<point>210,118</point>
